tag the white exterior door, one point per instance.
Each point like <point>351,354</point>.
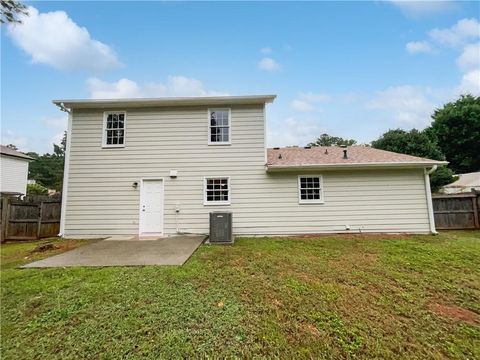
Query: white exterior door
<point>151,207</point>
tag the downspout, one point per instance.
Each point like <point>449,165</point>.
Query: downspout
<point>428,192</point>
<point>66,167</point>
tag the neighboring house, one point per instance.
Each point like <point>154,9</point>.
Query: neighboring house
<point>14,171</point>
<point>160,166</point>
<point>464,183</point>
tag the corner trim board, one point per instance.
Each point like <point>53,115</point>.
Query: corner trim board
<point>66,169</point>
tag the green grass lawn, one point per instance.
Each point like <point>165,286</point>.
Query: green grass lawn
<point>413,297</point>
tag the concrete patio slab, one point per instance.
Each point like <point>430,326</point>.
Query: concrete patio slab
<point>175,250</point>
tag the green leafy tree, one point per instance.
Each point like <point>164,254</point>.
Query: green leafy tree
<point>11,11</point>
<point>36,189</point>
<point>417,143</point>
<point>440,177</point>
<point>413,142</point>
<point>328,140</point>
<point>456,128</point>
<point>47,169</point>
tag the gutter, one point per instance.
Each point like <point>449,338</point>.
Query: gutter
<point>62,106</point>
<point>428,193</point>
<point>405,164</point>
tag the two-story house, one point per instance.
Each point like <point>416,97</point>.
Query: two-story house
<point>160,166</point>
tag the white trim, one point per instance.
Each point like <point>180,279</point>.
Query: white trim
<point>265,131</point>
<point>66,171</point>
<point>217,143</point>
<point>405,164</point>
<point>140,205</point>
<point>216,203</point>
<point>428,193</point>
<point>165,101</point>
<point>104,128</point>
<point>314,201</point>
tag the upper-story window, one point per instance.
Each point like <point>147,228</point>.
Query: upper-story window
<point>114,129</point>
<point>219,127</point>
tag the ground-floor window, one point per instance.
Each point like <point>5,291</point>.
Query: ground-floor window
<point>217,191</point>
<point>310,189</point>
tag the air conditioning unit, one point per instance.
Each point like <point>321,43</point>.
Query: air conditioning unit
<point>221,229</point>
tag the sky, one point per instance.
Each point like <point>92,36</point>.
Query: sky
<point>349,69</point>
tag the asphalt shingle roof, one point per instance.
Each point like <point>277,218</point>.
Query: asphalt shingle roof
<point>334,155</point>
<point>10,152</point>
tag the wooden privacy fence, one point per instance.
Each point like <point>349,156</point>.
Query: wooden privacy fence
<point>29,218</point>
<point>457,211</point>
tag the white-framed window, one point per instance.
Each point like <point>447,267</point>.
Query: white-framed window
<point>219,126</point>
<point>114,128</point>
<point>216,190</point>
<point>310,189</point>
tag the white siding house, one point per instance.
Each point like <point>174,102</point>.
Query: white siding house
<point>160,166</point>
<point>14,171</point>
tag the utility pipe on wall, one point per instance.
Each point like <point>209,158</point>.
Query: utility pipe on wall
<point>428,192</point>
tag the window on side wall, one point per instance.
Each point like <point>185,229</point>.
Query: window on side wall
<point>114,129</point>
<point>219,127</point>
<point>217,191</point>
<point>310,189</point>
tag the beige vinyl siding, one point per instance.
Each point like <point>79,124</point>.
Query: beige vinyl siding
<point>102,201</point>
<point>14,173</point>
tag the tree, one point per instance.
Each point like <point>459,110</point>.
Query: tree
<point>440,177</point>
<point>413,142</point>
<point>47,169</point>
<point>328,140</point>
<point>417,143</point>
<point>36,189</point>
<point>11,11</point>
<point>456,128</point>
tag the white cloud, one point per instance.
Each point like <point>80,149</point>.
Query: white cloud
<point>305,102</point>
<point>470,83</point>
<point>424,7</point>
<point>464,31</point>
<point>463,37</point>
<point>414,47</point>
<point>408,105</point>
<point>54,39</point>
<point>292,131</point>
<point>55,122</point>
<point>125,88</point>
<point>56,139</point>
<point>266,50</point>
<point>21,142</point>
<point>314,97</point>
<point>268,64</point>
<point>470,57</point>
<point>301,105</point>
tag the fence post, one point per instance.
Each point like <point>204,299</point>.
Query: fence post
<point>39,223</point>
<point>7,218</point>
<point>475,210</point>
<point>5,210</point>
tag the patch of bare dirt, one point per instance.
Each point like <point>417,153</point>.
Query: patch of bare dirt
<point>45,247</point>
<point>456,313</point>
